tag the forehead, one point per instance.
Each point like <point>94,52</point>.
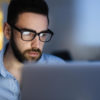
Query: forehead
<point>34,21</point>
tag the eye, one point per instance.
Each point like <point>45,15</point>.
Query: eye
<point>26,33</point>
<point>42,34</point>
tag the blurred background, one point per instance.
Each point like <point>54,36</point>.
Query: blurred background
<point>76,27</point>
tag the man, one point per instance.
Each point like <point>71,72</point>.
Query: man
<point>27,31</point>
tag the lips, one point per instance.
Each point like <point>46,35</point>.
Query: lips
<point>33,54</point>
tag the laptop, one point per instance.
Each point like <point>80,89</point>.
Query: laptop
<point>73,81</point>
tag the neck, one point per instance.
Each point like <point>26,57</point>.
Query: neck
<point>12,64</point>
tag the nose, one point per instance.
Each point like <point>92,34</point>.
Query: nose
<point>35,43</point>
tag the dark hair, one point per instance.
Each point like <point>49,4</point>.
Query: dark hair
<point>17,7</point>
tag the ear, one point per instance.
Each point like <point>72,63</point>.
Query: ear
<point>7,31</point>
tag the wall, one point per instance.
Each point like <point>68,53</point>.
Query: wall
<point>76,24</point>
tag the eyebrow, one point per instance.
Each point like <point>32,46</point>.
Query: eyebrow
<point>31,30</point>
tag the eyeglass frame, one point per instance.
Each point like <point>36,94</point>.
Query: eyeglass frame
<point>33,31</point>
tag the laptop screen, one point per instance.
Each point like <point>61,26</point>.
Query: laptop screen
<point>66,82</point>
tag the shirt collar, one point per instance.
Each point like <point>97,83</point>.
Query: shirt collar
<point>3,70</point>
<point>41,60</point>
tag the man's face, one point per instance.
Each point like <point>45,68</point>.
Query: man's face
<point>28,50</point>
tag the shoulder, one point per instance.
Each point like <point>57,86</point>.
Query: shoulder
<point>0,56</point>
<point>1,53</point>
<point>51,59</point>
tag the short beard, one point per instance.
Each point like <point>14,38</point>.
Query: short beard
<point>20,56</point>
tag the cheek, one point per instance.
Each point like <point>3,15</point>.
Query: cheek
<point>21,45</point>
<point>41,45</point>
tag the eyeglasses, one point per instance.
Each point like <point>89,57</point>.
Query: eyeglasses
<point>29,35</point>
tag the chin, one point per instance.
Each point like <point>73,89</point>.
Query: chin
<point>33,59</point>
